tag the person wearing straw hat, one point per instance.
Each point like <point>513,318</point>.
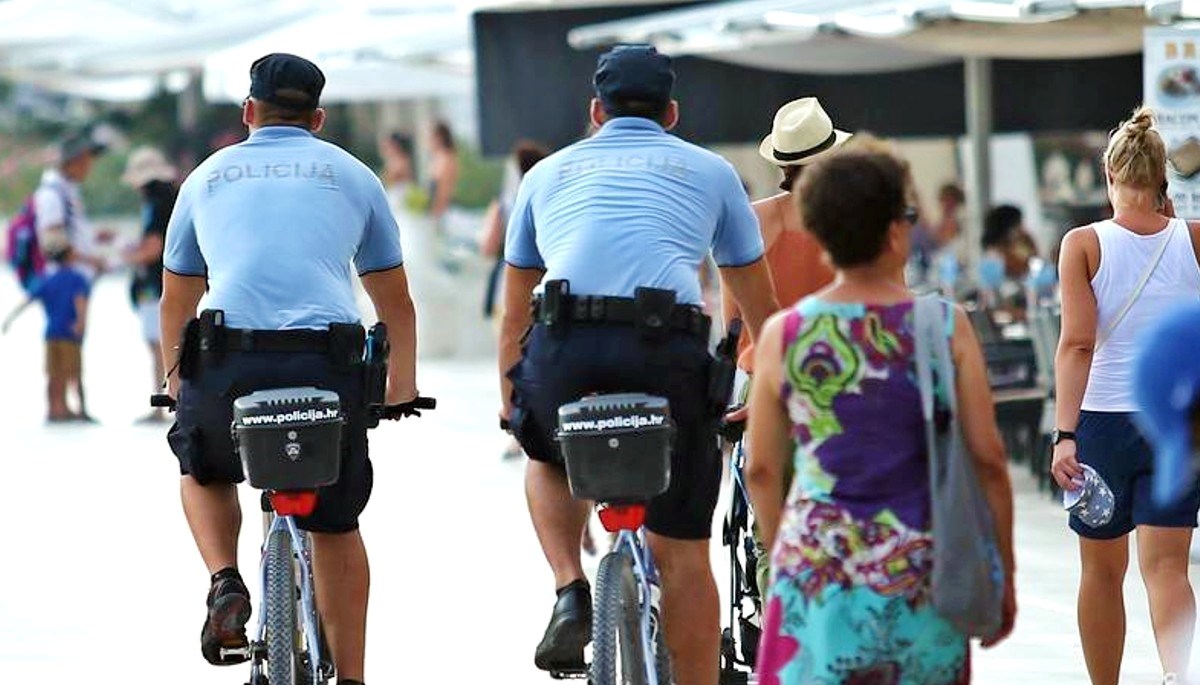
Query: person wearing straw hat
<point>148,172</point>
<point>801,134</point>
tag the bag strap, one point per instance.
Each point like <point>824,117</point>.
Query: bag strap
<point>924,326</point>
<point>1137,291</point>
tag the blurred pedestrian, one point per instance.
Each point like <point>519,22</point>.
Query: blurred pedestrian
<point>64,297</point>
<point>429,281</point>
<point>443,170</point>
<point>399,177</point>
<point>149,173</point>
<point>849,599</point>
<point>525,154</point>
<point>59,208</point>
<point>1118,277</point>
<point>1008,252</point>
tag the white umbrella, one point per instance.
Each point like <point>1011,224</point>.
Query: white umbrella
<point>366,54</point>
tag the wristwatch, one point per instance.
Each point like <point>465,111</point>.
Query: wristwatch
<point>1060,435</point>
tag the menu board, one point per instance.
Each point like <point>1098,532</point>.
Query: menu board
<point>1171,87</point>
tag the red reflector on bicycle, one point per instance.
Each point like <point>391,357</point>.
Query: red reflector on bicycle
<point>617,517</point>
<point>293,503</point>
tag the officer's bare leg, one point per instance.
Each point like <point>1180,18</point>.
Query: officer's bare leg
<point>690,608</point>
<point>343,578</point>
<point>215,517</point>
<point>558,519</point>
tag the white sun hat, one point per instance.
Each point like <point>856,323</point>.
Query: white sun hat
<point>147,164</point>
<point>802,134</point>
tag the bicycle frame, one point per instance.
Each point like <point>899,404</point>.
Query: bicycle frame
<point>308,615</point>
<point>633,542</point>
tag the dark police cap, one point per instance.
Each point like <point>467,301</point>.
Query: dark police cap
<point>286,80</point>
<point>634,72</point>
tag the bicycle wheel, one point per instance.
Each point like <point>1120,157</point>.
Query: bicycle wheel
<point>617,655</point>
<point>281,610</point>
<point>662,658</point>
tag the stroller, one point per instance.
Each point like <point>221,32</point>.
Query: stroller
<point>739,639</point>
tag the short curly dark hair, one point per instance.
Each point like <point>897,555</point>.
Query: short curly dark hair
<point>849,201</point>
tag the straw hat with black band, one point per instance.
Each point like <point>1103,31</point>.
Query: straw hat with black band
<point>801,134</point>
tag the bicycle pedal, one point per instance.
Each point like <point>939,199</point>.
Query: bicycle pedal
<point>570,675</point>
<point>226,652</point>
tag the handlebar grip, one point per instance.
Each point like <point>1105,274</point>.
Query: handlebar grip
<point>395,412</point>
<point>424,403</point>
<point>163,401</point>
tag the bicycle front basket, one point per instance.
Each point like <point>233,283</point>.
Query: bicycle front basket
<point>290,438</point>
<point>617,448</point>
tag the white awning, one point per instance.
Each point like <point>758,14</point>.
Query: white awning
<point>858,36</point>
<point>366,55</point>
<point>122,49</point>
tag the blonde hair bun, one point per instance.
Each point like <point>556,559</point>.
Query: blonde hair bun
<point>1136,155</point>
<point>1142,120</point>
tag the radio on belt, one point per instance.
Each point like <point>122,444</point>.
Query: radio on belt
<point>289,438</point>
<point>617,448</point>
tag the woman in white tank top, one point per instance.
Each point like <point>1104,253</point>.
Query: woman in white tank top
<point>1118,277</point>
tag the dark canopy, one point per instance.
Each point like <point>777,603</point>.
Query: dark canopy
<point>532,84</point>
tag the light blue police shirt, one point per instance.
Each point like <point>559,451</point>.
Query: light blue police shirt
<point>274,223</point>
<point>631,206</point>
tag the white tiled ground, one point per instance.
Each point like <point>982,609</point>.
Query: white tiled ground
<point>99,580</point>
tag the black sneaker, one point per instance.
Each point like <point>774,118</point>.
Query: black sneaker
<point>570,629</point>
<point>225,624</point>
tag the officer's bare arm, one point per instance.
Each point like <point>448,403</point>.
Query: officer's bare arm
<point>181,295</point>
<point>518,292</point>
<point>388,291</point>
<point>753,292</point>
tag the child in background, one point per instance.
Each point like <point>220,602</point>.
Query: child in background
<point>64,296</point>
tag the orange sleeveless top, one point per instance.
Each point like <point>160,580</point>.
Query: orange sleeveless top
<point>798,269</point>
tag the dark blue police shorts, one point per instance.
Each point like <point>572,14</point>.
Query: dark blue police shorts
<point>612,358</point>
<point>1111,443</point>
<point>201,436</point>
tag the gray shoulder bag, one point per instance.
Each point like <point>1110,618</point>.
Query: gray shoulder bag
<point>968,575</point>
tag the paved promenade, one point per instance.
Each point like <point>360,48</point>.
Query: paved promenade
<point>100,579</point>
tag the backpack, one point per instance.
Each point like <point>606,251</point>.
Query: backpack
<point>24,254</point>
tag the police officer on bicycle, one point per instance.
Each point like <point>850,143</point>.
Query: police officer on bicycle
<point>261,239</point>
<point>614,229</point>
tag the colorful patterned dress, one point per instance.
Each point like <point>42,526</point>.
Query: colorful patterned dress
<point>849,597</point>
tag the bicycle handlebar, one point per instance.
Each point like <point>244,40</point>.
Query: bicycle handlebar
<point>163,401</point>
<point>390,412</point>
<point>395,412</point>
<point>732,431</point>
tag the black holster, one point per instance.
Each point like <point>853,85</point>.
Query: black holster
<point>209,327</point>
<point>555,315</point>
<point>654,307</point>
<point>723,369</point>
<point>375,365</point>
<point>346,342</point>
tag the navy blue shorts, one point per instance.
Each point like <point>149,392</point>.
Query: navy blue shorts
<point>591,358</point>
<point>1111,443</point>
<point>202,442</point>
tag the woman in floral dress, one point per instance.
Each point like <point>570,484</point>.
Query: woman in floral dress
<point>849,600</point>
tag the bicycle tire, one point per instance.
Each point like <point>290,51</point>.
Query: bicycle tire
<point>615,625</point>
<point>662,658</point>
<point>281,610</point>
